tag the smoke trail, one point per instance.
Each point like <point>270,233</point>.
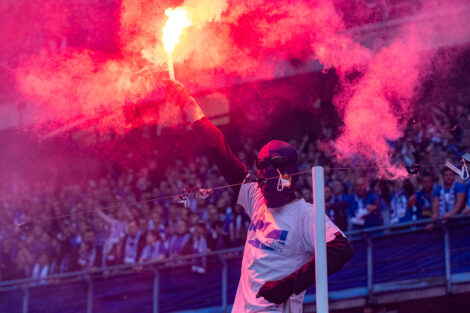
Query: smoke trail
<point>378,105</point>
<point>229,41</point>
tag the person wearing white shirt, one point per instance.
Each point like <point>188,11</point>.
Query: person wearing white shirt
<point>278,260</point>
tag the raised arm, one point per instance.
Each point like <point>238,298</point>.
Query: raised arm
<point>209,136</point>
<point>104,216</point>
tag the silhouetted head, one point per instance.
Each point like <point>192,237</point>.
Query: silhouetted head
<point>275,158</point>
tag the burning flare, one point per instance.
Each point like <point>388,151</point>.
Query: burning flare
<point>178,20</point>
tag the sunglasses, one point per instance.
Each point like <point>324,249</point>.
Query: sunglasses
<point>276,161</point>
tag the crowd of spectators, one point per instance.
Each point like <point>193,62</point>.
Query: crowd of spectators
<point>132,216</point>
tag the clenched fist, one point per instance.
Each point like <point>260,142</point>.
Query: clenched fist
<point>177,94</point>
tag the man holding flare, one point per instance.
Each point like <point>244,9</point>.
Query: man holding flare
<point>278,260</point>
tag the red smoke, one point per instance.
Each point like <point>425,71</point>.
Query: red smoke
<point>229,41</point>
<point>377,106</point>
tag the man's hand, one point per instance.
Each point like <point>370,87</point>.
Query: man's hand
<point>448,216</point>
<point>338,252</point>
<point>178,95</point>
<point>276,291</point>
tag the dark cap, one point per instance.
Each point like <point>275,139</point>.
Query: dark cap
<point>277,149</point>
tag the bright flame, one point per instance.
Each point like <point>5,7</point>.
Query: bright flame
<point>178,20</point>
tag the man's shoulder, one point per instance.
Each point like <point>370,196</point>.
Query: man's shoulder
<point>459,187</point>
<point>301,204</point>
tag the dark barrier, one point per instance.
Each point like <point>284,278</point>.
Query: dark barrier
<point>11,301</point>
<point>407,256</point>
<point>384,259</point>
<point>70,298</point>
<point>460,248</point>
<point>123,293</point>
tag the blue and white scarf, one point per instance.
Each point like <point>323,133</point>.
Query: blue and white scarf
<point>130,255</point>
<point>446,200</point>
<point>398,207</point>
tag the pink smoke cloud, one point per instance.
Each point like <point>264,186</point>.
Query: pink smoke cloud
<point>377,106</point>
<point>230,41</point>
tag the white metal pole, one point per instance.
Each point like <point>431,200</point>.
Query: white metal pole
<point>320,239</point>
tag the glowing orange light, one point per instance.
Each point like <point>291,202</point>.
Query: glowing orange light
<point>177,21</point>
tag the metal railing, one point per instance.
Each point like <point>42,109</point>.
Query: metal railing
<point>219,260</point>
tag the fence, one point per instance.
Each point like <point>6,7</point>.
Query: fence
<point>386,259</point>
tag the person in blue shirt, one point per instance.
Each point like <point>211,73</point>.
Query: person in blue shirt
<point>424,196</point>
<point>449,198</point>
<point>365,206</point>
<point>403,203</point>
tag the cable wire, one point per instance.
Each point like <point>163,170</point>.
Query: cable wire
<point>111,206</point>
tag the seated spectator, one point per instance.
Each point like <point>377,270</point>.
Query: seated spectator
<point>365,206</point>
<point>212,214</point>
<point>154,248</point>
<point>130,244</point>
<point>117,230</point>
<point>66,251</point>
<point>179,243</point>
<point>47,245</point>
<point>143,226</point>
<point>402,204</point>
<point>42,267</point>
<point>238,226</point>
<point>143,230</point>
<point>218,239</point>
<point>339,191</point>
<point>336,209</point>
<point>117,225</point>
<point>7,261</point>
<point>24,261</point>
<point>112,253</point>
<point>100,232</point>
<point>449,198</point>
<point>424,196</point>
<point>193,222</point>
<point>90,254</point>
<point>156,224</point>
<point>199,245</point>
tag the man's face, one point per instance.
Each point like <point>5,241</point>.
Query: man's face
<point>427,184</point>
<point>151,239</point>
<point>337,187</point>
<point>201,230</point>
<point>43,259</point>
<point>132,227</point>
<point>361,187</point>
<point>449,178</point>
<point>180,227</point>
<point>328,194</point>
<point>143,224</point>
<point>156,219</point>
<point>213,214</point>
<point>89,238</point>
<point>120,215</point>
<point>193,219</point>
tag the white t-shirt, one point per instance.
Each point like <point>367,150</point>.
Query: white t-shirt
<point>279,241</point>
